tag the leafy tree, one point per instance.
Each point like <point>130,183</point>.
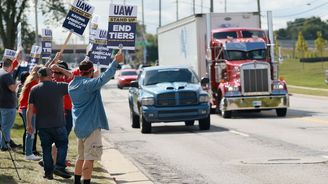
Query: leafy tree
<point>308,26</point>
<point>301,45</point>
<point>12,12</point>
<point>320,43</point>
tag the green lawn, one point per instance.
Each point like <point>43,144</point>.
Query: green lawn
<point>304,74</point>
<point>31,172</point>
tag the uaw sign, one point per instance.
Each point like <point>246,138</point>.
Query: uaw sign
<point>46,43</point>
<point>34,56</point>
<point>100,52</point>
<point>9,54</point>
<point>78,17</point>
<point>93,26</point>
<point>122,25</point>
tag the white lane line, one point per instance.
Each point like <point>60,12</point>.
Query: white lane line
<point>238,133</point>
<point>325,156</point>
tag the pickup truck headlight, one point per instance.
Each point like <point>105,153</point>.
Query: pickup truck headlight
<point>148,101</point>
<point>203,98</point>
<point>233,88</point>
<point>278,86</point>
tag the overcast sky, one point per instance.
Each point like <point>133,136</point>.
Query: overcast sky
<point>283,11</point>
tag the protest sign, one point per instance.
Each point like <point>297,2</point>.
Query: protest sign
<point>46,43</point>
<point>122,25</point>
<point>93,28</point>
<point>9,54</point>
<point>100,52</point>
<point>34,56</point>
<point>78,17</point>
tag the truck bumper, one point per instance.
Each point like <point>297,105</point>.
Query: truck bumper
<point>255,102</point>
<point>173,114</point>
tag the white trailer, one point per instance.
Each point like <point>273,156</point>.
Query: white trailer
<point>185,41</point>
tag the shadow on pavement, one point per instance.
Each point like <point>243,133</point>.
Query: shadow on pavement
<point>7,179</point>
<point>182,129</point>
<point>270,114</point>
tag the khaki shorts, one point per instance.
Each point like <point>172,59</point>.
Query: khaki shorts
<point>90,148</point>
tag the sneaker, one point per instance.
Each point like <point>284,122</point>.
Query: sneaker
<point>32,157</point>
<point>4,149</point>
<point>49,176</point>
<point>41,163</point>
<point>62,173</point>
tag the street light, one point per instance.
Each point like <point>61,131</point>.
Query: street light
<point>36,22</point>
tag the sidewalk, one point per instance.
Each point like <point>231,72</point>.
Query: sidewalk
<point>120,168</point>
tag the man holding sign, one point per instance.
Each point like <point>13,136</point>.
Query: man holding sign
<point>89,115</point>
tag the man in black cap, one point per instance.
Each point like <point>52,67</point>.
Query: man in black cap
<point>47,98</point>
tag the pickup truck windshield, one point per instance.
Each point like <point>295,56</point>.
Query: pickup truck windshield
<point>242,55</point>
<point>169,75</point>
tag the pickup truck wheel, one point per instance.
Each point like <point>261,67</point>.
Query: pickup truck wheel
<point>119,86</point>
<point>204,124</point>
<point>145,125</point>
<point>190,123</point>
<point>134,119</point>
<point>281,112</point>
<point>226,114</point>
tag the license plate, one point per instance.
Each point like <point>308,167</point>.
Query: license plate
<point>257,103</point>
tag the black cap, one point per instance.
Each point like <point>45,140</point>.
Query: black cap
<point>63,64</point>
<point>44,72</point>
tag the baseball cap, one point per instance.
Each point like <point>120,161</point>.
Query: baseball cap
<point>44,72</point>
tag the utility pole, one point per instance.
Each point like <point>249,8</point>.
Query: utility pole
<point>143,34</point>
<point>211,8</point>
<point>225,6</point>
<point>259,11</point>
<point>160,13</point>
<point>193,7</point>
<point>177,13</point>
<point>36,22</point>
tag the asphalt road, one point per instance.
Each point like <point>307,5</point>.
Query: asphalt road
<point>250,148</point>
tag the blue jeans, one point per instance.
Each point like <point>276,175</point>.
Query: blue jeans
<point>7,119</point>
<point>69,121</point>
<point>29,139</point>
<point>48,136</point>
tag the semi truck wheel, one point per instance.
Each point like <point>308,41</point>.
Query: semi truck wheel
<point>190,123</point>
<point>204,124</point>
<point>134,119</point>
<point>281,112</point>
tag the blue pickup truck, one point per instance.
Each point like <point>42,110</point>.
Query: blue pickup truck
<point>168,94</point>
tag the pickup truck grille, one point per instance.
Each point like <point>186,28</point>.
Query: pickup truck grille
<point>255,78</point>
<point>177,98</point>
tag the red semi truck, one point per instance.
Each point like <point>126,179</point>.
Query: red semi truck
<point>234,54</point>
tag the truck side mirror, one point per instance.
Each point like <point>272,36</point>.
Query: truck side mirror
<point>204,81</point>
<point>134,84</point>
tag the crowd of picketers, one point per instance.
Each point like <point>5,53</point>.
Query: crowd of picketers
<point>51,99</point>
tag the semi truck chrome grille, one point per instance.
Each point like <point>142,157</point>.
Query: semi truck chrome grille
<point>255,78</point>
<point>178,98</point>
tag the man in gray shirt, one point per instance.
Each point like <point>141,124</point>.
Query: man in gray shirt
<point>8,102</point>
<point>47,99</point>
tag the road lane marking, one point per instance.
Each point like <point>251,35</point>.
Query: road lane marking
<point>310,119</point>
<point>238,133</point>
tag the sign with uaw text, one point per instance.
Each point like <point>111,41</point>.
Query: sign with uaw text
<point>122,25</point>
<point>46,43</point>
<point>34,56</point>
<point>9,54</point>
<point>100,52</point>
<point>78,17</point>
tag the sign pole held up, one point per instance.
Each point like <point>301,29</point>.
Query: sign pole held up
<point>65,43</point>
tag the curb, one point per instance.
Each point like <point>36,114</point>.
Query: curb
<point>120,168</point>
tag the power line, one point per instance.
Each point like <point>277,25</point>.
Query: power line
<point>296,14</point>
